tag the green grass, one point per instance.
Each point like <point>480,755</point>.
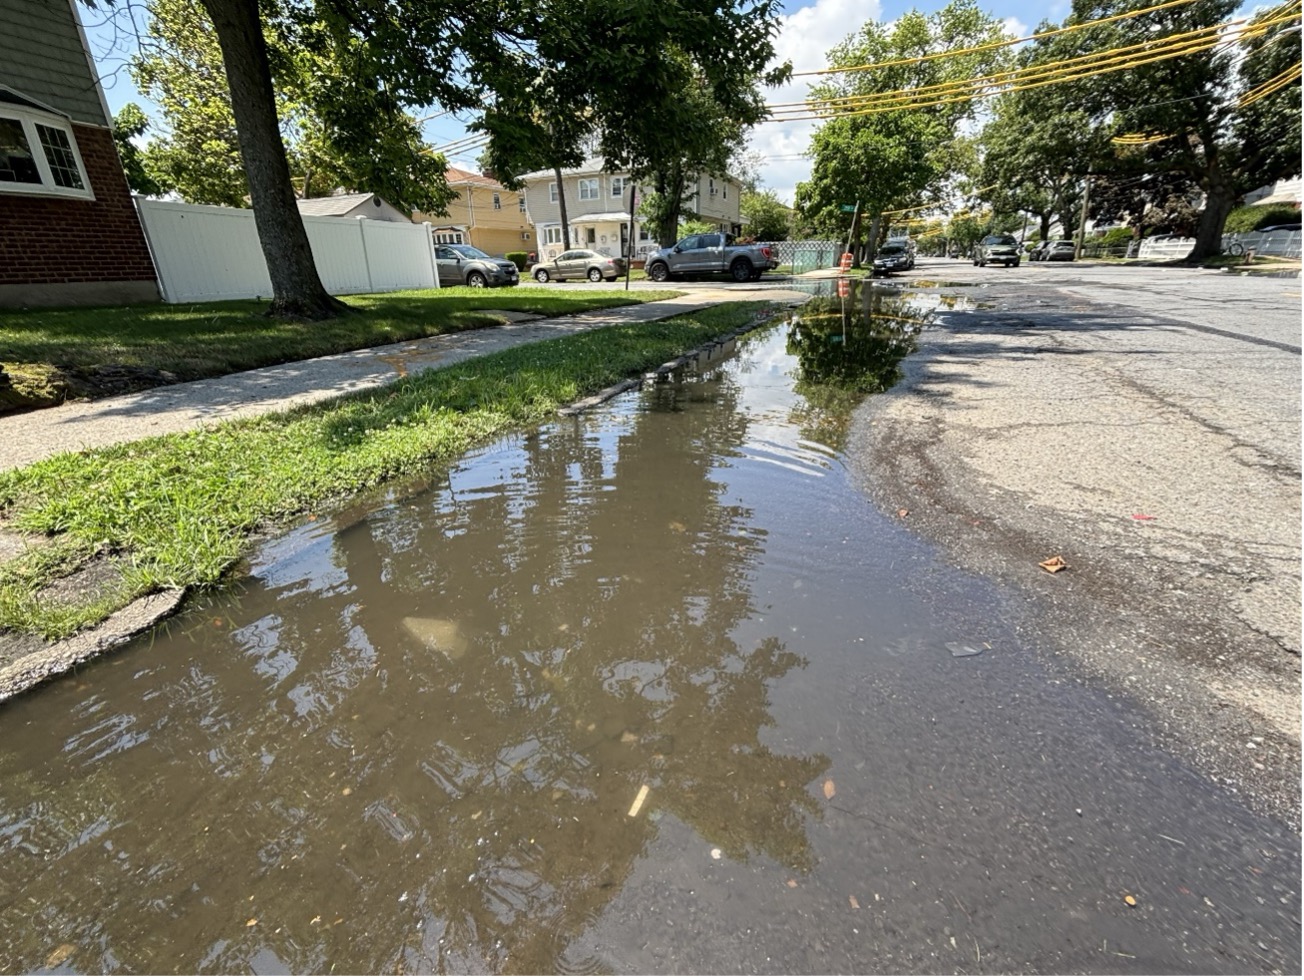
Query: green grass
<point>179,510</point>
<point>211,339</point>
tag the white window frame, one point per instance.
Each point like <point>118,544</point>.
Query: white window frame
<point>552,235</point>
<point>618,187</point>
<point>590,189</point>
<point>29,119</point>
<point>552,192</point>
<point>449,238</point>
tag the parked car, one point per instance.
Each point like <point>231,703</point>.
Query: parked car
<point>579,263</point>
<point>465,265</point>
<point>1060,250</point>
<point>997,248</point>
<point>701,254</point>
<point>893,257</point>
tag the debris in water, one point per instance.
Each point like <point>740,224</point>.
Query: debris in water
<point>443,635</point>
<point>1054,564</point>
<point>792,883</point>
<point>59,955</point>
<point>1131,902</point>
<point>251,923</point>
<point>716,854</point>
<point>829,789</point>
<point>966,649</point>
<point>638,801</point>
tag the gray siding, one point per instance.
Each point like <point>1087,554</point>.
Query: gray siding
<point>41,56</point>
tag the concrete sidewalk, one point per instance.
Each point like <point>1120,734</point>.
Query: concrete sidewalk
<point>32,436</point>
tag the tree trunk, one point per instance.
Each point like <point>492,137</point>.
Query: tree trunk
<point>561,205</point>
<point>1044,224</point>
<point>673,202</point>
<point>1218,203</point>
<point>296,287</point>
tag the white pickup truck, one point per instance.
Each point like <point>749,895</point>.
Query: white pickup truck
<point>704,254</point>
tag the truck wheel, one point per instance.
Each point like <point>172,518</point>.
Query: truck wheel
<point>741,270</point>
<point>659,272</point>
<point>595,275</point>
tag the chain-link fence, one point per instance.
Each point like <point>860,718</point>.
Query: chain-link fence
<point>806,256</point>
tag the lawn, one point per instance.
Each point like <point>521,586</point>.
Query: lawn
<point>92,351</point>
<point>180,510</point>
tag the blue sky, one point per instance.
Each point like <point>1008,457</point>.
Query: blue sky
<point>809,30</point>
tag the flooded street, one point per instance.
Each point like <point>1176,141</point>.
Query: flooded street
<point>652,689</point>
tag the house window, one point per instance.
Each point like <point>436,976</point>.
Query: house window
<point>591,236</point>
<point>520,203</point>
<point>588,188</point>
<point>498,203</point>
<point>525,236</point>
<point>617,187</point>
<point>711,186</point>
<point>552,234</point>
<point>449,238</point>
<point>552,191</point>
<point>38,154</point>
<point>724,191</point>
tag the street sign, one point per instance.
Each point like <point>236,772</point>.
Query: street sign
<point>847,208</point>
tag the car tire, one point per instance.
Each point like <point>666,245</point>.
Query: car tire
<point>660,272</point>
<point>595,275</point>
<point>1015,263</point>
<point>613,279</point>
<point>541,275</point>
<point>740,270</point>
<point>476,280</point>
<point>756,275</point>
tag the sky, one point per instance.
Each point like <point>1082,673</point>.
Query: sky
<point>808,31</point>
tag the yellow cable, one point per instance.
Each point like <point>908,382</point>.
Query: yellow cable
<point>1035,69</point>
<point>1024,77</point>
<point>996,44</point>
<point>900,100</point>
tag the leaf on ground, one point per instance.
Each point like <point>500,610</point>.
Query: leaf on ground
<point>59,954</point>
<point>251,923</point>
<point>1054,564</point>
<point>829,789</point>
<point>903,513</point>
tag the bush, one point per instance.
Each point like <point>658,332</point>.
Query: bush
<point>518,257</point>
<point>1115,236</point>
<point>1256,216</point>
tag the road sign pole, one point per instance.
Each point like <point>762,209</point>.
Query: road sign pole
<point>855,216</point>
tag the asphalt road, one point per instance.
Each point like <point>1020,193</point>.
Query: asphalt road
<point>1144,424</point>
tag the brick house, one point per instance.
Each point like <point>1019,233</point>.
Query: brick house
<point>69,233</point>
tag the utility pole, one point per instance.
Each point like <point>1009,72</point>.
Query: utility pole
<point>1082,219</point>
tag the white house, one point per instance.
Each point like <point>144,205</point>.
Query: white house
<point>597,208</point>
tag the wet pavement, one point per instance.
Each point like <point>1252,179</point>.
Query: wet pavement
<point>653,689</point>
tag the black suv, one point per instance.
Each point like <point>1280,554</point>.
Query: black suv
<point>997,248</point>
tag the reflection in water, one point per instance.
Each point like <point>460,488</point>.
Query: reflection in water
<point>412,741</point>
<point>850,346</point>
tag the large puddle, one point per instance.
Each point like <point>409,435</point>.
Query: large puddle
<point>616,694</point>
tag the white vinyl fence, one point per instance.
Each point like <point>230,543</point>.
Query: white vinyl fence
<point>1165,247</point>
<point>207,253</point>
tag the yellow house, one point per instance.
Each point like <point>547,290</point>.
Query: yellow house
<point>484,214</point>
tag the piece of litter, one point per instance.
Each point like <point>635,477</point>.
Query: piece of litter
<point>854,903</point>
<point>638,801</point>
<point>1142,517</point>
<point>1131,902</point>
<point>791,883</point>
<point>251,922</point>
<point>903,513</point>
<point>716,854</point>
<point>1054,564</point>
<point>963,649</point>
<point>829,789</point>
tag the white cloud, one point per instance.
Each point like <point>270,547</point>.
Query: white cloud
<point>805,38</point>
<point>1015,27</point>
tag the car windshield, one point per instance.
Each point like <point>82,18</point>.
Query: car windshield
<point>999,240</point>
<point>891,250</point>
<point>469,252</point>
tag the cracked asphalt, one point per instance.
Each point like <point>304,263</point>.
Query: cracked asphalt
<point>1145,425</point>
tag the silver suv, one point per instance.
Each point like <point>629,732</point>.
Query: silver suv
<point>465,265</point>
<point>997,248</point>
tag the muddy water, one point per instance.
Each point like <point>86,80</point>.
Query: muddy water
<point>651,689</point>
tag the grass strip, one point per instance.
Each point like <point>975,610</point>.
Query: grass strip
<point>211,339</point>
<point>179,510</point>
